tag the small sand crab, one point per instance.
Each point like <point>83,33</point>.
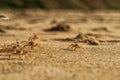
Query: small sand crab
<point>20,48</point>
<point>33,38</point>
<point>74,46</point>
<point>31,42</point>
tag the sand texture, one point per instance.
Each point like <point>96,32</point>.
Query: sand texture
<point>57,30</point>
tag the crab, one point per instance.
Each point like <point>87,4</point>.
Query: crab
<point>33,37</point>
<point>74,46</point>
<point>19,48</point>
<point>31,42</point>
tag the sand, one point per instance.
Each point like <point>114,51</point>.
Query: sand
<point>55,61</point>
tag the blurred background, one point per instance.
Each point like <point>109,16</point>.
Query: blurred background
<point>61,4</point>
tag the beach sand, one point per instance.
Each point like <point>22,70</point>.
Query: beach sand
<point>56,61</point>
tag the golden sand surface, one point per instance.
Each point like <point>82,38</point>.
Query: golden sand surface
<point>56,61</point>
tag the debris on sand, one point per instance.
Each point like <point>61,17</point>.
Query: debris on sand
<point>62,27</point>
<point>4,17</point>
<point>93,41</point>
<point>90,38</point>
<point>84,37</point>
<point>2,30</point>
<point>81,37</point>
<point>105,29</point>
